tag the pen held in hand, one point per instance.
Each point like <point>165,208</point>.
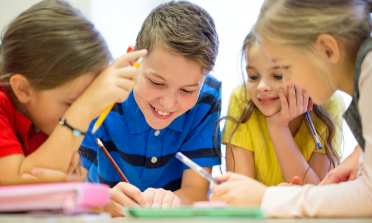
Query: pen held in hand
<point>312,130</point>
<point>196,167</point>
<point>100,144</point>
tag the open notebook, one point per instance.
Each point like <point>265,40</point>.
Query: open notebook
<point>69,197</point>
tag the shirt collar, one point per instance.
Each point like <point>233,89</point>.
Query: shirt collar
<point>134,116</point>
<point>136,120</point>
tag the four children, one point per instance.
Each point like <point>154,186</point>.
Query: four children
<point>55,78</point>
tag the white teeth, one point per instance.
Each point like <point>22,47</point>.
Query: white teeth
<point>161,113</point>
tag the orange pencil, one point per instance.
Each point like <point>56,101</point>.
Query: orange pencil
<point>100,144</point>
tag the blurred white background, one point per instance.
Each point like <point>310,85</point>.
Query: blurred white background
<point>120,20</point>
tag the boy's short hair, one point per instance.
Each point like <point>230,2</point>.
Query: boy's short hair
<point>184,28</point>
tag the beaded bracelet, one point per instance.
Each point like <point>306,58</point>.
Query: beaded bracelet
<point>77,133</point>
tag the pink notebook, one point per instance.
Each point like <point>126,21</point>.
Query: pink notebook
<point>70,197</point>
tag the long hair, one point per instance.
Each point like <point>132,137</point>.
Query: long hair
<point>248,107</point>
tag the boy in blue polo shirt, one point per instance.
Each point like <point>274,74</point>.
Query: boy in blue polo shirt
<point>174,107</point>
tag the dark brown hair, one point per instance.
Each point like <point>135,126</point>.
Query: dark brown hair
<point>248,107</point>
<point>50,44</point>
<point>184,28</point>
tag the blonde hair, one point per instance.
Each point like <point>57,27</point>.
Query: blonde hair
<point>248,107</point>
<point>299,23</point>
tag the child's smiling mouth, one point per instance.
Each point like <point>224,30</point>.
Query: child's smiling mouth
<point>160,114</point>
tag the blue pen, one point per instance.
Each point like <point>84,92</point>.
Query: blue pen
<point>196,167</point>
<point>312,129</point>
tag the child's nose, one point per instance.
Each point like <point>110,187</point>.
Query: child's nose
<point>263,86</point>
<point>168,100</point>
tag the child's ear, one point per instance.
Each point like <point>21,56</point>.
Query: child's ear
<point>21,88</point>
<point>329,47</point>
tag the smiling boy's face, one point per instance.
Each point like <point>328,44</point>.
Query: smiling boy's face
<point>168,85</point>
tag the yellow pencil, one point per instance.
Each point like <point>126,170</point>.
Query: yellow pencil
<point>108,109</point>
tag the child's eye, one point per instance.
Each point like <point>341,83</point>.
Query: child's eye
<point>251,77</point>
<point>186,91</point>
<point>154,83</point>
<point>278,77</point>
<point>285,67</point>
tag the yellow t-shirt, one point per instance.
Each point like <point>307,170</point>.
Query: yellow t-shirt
<point>254,136</point>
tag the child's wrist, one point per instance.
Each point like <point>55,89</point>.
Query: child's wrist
<point>78,117</point>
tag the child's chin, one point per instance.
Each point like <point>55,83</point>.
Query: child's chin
<point>270,112</point>
<point>158,126</point>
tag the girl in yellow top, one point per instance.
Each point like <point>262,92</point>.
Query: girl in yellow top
<point>266,134</point>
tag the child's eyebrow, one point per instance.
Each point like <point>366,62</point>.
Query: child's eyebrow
<point>193,85</point>
<point>157,75</point>
<point>249,67</point>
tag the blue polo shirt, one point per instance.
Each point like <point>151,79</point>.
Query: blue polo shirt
<point>147,157</point>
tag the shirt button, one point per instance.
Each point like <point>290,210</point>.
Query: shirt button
<point>157,133</point>
<point>154,159</point>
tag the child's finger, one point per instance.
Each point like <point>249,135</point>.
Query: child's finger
<point>213,197</point>
<point>224,177</point>
<point>149,195</point>
<point>176,202</point>
<point>116,209</point>
<point>305,103</point>
<point>132,192</point>
<point>127,72</point>
<point>132,56</point>
<point>223,188</point>
<point>299,100</point>
<point>291,101</point>
<point>310,105</point>
<point>124,200</point>
<point>40,172</point>
<point>167,200</point>
<point>296,180</point>
<point>74,163</point>
<point>125,84</point>
<point>283,103</point>
<point>28,176</point>
<point>158,198</point>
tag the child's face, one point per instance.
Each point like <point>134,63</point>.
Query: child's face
<point>48,106</point>
<point>264,81</point>
<point>301,71</point>
<point>168,85</point>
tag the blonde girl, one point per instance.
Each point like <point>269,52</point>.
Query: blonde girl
<point>266,133</point>
<point>322,46</point>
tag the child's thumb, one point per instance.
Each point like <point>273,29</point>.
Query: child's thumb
<point>296,180</point>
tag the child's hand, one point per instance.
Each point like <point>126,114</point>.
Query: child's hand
<point>113,84</point>
<point>44,173</point>
<point>160,198</point>
<point>238,189</point>
<point>125,195</point>
<point>346,171</point>
<point>297,103</point>
<point>295,181</point>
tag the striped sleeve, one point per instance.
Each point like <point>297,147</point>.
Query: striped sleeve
<point>88,148</point>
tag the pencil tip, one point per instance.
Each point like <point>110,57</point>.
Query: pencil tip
<point>94,129</point>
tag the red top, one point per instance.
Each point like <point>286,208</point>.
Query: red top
<point>17,134</point>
